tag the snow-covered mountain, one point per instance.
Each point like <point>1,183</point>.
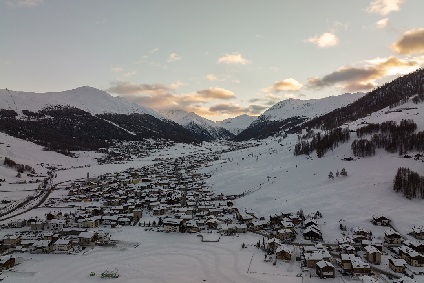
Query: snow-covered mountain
<point>237,124</point>
<point>308,108</point>
<point>201,127</point>
<point>86,98</point>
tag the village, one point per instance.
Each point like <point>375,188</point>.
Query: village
<point>171,196</point>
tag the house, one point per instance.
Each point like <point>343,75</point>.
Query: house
<point>41,246</point>
<point>273,243</point>
<point>11,240</point>
<point>312,233</point>
<point>87,238</point>
<point>397,265</point>
<point>380,220</point>
<point>285,234</point>
<point>418,232</point>
<point>373,242</point>
<point>392,237</point>
<point>347,261</point>
<point>137,214</point>
<point>311,259</point>
<point>416,245</point>
<point>347,249</point>
<point>7,262</point>
<point>411,256</point>
<point>37,226</point>
<point>62,245</point>
<point>325,269</point>
<point>228,229</point>
<point>18,223</point>
<point>359,267</point>
<point>372,254</point>
<point>283,252</point>
<point>172,225</point>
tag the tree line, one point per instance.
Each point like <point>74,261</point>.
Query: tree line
<point>321,143</point>
<point>390,136</point>
<point>409,183</point>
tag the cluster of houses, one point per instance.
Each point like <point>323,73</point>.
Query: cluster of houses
<point>174,192</point>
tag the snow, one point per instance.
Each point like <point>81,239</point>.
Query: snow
<point>237,124</point>
<point>308,108</point>
<point>89,99</point>
<point>187,119</point>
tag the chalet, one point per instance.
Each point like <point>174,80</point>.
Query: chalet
<point>312,233</point>
<point>397,265</point>
<point>6,262</point>
<point>411,256</point>
<point>283,252</point>
<point>372,254</point>
<point>325,269</point>
<point>273,243</point>
<point>172,224</point>
<point>347,249</point>
<point>347,261</point>
<point>392,237</point>
<point>37,226</point>
<point>241,228</point>
<point>418,232</point>
<point>359,267</point>
<point>416,245</point>
<point>285,234</point>
<point>311,259</point>
<point>56,224</point>
<point>259,225</point>
<point>18,223</point>
<point>192,227</point>
<point>380,220</point>
<point>11,240</point>
<point>62,245</point>
<point>373,242</point>
<point>41,246</point>
<point>228,229</point>
<point>137,214</point>
<point>87,238</point>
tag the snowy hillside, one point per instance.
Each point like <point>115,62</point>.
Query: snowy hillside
<point>202,127</point>
<point>87,98</point>
<point>308,108</point>
<point>237,124</point>
<point>276,181</point>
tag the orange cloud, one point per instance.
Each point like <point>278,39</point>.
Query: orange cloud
<point>365,77</point>
<point>412,42</point>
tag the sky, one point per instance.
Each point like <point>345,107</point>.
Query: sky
<point>219,59</point>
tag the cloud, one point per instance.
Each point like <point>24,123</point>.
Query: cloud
<point>235,109</point>
<point>116,69</point>
<point>234,58</point>
<point>127,88</point>
<point>131,73</point>
<point>160,96</point>
<point>25,3</point>
<point>384,7</point>
<point>173,57</point>
<point>365,77</point>
<point>287,84</point>
<point>412,42</point>
<point>216,93</point>
<point>325,40</point>
<point>381,24</point>
<point>211,77</point>
<point>154,50</point>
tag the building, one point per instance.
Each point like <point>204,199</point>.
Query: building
<point>372,254</point>
<point>397,265</point>
<point>325,269</point>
